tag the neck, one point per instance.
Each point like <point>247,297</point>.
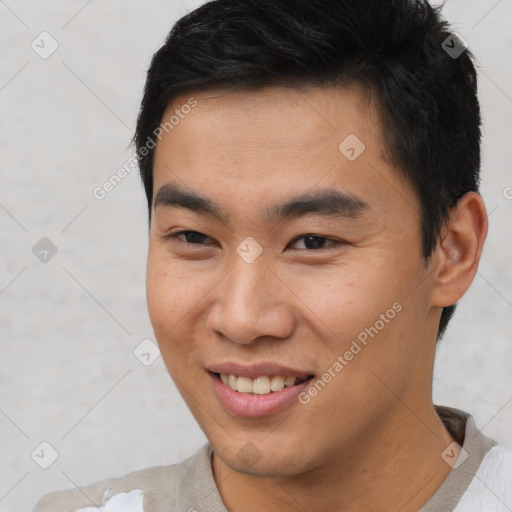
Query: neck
<point>398,466</point>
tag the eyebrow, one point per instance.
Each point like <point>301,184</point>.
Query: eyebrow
<point>328,202</point>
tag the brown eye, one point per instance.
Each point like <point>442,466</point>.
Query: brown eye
<point>314,242</point>
<point>191,237</point>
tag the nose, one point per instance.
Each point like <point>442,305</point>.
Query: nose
<point>251,302</point>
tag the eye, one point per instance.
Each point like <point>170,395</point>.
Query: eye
<point>191,237</point>
<point>310,242</point>
<point>314,242</point>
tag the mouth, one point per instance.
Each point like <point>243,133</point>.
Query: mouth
<point>262,385</point>
<point>263,395</point>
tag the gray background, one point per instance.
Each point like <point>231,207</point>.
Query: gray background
<point>69,326</point>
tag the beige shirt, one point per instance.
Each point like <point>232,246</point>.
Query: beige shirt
<point>481,483</point>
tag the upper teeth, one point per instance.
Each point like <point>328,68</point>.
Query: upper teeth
<point>261,385</point>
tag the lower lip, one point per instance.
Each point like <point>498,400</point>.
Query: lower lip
<point>252,405</point>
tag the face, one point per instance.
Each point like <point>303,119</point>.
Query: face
<point>283,244</point>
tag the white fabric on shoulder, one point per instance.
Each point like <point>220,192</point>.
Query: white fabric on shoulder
<point>122,502</point>
<point>491,488</point>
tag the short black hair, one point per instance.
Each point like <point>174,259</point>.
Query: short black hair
<point>399,48</point>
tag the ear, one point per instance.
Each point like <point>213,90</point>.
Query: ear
<point>459,250</point>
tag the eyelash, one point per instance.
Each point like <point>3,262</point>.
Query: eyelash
<point>335,242</point>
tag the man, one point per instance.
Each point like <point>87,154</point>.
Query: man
<point>311,171</point>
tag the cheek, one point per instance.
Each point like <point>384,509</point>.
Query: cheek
<point>370,304</point>
<point>341,302</point>
<point>166,306</point>
<point>176,295</point>
<point>171,291</point>
<point>169,297</point>
<point>161,296</point>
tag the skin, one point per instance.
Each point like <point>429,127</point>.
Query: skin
<point>370,440</point>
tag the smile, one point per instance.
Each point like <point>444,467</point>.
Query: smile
<point>261,385</point>
<point>256,397</point>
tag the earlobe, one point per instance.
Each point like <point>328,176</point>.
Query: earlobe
<point>459,249</point>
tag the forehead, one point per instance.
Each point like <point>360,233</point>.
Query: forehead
<point>287,117</point>
<point>247,146</point>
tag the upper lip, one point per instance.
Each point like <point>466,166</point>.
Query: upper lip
<point>257,370</point>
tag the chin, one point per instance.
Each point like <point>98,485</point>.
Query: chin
<point>266,458</point>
